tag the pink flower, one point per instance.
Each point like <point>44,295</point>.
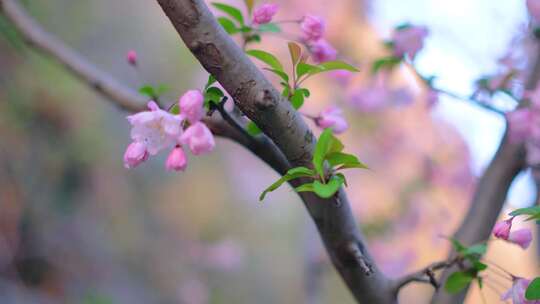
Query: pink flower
<point>156,129</point>
<point>176,160</point>
<point>264,13</point>
<point>135,155</point>
<point>332,117</point>
<point>199,138</point>
<point>409,40</point>
<point>519,124</point>
<point>313,27</point>
<point>502,229</point>
<point>343,77</point>
<point>322,51</point>
<point>517,292</point>
<point>521,237</point>
<point>131,57</point>
<point>191,105</point>
<point>533,6</point>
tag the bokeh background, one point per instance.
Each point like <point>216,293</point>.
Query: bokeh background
<point>76,227</point>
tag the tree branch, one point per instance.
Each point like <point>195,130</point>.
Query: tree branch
<point>425,275</point>
<point>262,103</point>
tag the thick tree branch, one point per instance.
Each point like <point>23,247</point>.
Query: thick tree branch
<point>262,103</point>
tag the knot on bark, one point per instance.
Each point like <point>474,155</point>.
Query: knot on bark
<point>350,255</point>
<point>264,100</point>
<point>209,55</point>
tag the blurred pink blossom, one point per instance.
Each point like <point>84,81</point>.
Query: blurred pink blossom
<point>533,6</point>
<point>313,27</point>
<point>519,124</point>
<point>191,105</point>
<point>131,57</point>
<point>409,40</point>
<point>264,13</point>
<point>521,237</point>
<point>322,51</point>
<point>199,138</point>
<point>177,160</point>
<point>343,77</point>
<point>332,117</point>
<point>516,293</point>
<point>502,229</point>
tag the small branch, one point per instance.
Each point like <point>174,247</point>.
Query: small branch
<point>425,275</point>
<point>474,101</point>
<point>229,119</point>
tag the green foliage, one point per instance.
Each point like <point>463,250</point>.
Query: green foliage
<point>232,11</point>
<point>329,149</point>
<point>385,63</point>
<point>458,281</point>
<point>252,129</point>
<point>532,212</point>
<point>212,95</point>
<point>228,25</point>
<point>297,99</point>
<point>533,290</point>
<point>269,28</point>
<point>281,74</point>
<point>291,174</point>
<point>153,92</point>
<point>267,58</point>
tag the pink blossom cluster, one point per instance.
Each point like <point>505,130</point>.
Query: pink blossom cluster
<point>264,13</point>
<point>516,293</point>
<point>332,117</point>
<point>524,126</point>
<point>408,40</point>
<point>313,29</point>
<point>377,94</point>
<point>533,6</point>
<point>156,130</point>
<point>520,237</point>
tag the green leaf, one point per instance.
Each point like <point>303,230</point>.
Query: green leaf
<point>305,68</point>
<point>305,188</point>
<point>175,109</point>
<point>457,281</point>
<point>403,26</point>
<point>475,250</point>
<point>148,91</point>
<point>533,290</point>
<point>337,65</point>
<point>211,81</point>
<point>346,160</point>
<point>253,38</point>
<point>291,174</point>
<point>326,144</point>
<point>526,211</point>
<point>228,25</point>
<point>384,63</point>
<point>479,266</point>
<point>267,58</point>
<point>230,10</point>
<point>297,99</point>
<point>252,129</point>
<point>296,51</point>
<point>281,74</point>
<point>213,95</point>
<point>304,91</point>
<point>269,28</point>
<point>286,91</point>
<point>329,189</point>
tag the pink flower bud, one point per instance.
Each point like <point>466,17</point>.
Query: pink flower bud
<point>533,6</point>
<point>199,138</point>
<point>313,27</point>
<point>135,154</point>
<point>191,105</point>
<point>519,124</point>
<point>502,229</point>
<point>176,160</point>
<point>264,13</point>
<point>152,105</point>
<point>131,57</point>
<point>521,237</point>
<point>332,117</point>
<point>322,51</point>
<point>409,40</point>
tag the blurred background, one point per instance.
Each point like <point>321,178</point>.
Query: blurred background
<point>76,227</point>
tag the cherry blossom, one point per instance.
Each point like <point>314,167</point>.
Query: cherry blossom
<point>516,293</point>
<point>199,138</point>
<point>332,117</point>
<point>264,13</point>
<point>191,105</point>
<point>409,40</point>
<point>313,27</point>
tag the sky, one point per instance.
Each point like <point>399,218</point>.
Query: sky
<point>466,39</point>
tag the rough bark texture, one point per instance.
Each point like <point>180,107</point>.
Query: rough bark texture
<point>261,102</point>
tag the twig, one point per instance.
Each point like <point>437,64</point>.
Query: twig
<point>427,274</point>
<point>474,101</point>
<point>220,107</point>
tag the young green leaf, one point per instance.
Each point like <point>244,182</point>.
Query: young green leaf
<point>345,160</point>
<point>267,58</point>
<point>457,281</point>
<point>175,109</point>
<point>337,65</point>
<point>230,10</point>
<point>385,63</point>
<point>533,290</point>
<point>281,74</point>
<point>148,91</point>
<point>297,99</point>
<point>211,81</point>
<point>291,174</point>
<point>228,25</point>
<point>304,91</point>
<point>526,211</point>
<point>305,68</point>
<point>252,129</point>
<point>269,28</point>
<point>305,188</point>
<point>326,144</point>
<point>212,95</point>
<point>329,189</point>
<point>296,51</point>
